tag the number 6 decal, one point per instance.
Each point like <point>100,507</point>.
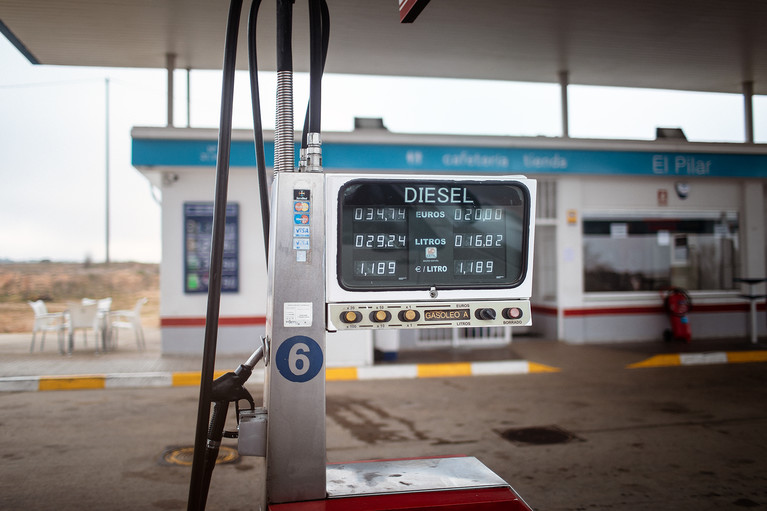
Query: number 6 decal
<point>299,358</point>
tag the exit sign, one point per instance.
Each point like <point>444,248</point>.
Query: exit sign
<point>410,9</point>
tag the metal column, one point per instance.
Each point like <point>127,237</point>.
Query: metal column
<point>564,77</point>
<point>748,110</point>
<point>170,64</point>
<point>294,392</point>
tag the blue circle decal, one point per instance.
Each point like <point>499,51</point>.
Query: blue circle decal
<point>299,358</point>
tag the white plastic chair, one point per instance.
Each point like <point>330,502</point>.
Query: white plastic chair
<point>103,306</point>
<point>82,316</point>
<point>45,322</point>
<point>128,319</point>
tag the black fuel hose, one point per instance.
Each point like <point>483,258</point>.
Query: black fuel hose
<point>285,35</point>
<point>198,489</point>
<point>319,21</point>
<point>258,130</point>
<point>315,66</point>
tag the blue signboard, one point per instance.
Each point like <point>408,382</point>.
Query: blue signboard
<point>444,158</point>
<point>198,232</point>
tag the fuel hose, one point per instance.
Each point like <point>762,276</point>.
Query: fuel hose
<point>197,487</point>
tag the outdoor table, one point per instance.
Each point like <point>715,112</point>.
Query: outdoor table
<point>753,299</point>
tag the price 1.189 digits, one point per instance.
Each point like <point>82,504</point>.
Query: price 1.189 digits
<point>478,240</point>
<point>375,268</point>
<point>473,267</point>
<point>380,240</point>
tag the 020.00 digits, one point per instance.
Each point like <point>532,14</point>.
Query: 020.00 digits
<point>478,214</point>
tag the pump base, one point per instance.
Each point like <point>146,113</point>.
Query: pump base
<point>485,499</point>
<point>450,483</point>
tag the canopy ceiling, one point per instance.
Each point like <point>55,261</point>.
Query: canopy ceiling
<point>700,45</point>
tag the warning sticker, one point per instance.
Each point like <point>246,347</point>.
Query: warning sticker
<point>297,314</point>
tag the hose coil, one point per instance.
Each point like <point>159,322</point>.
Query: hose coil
<point>284,149</point>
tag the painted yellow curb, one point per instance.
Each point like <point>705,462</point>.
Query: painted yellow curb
<point>534,367</point>
<point>71,382</point>
<point>443,370</point>
<point>671,359</point>
<point>719,357</point>
<point>738,357</point>
<point>341,373</point>
<point>192,378</point>
<point>350,373</point>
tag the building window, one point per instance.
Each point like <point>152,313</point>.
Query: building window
<point>696,252</point>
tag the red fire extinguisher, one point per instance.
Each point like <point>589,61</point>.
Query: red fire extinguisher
<point>677,304</point>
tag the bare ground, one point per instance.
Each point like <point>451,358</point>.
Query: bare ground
<point>57,283</point>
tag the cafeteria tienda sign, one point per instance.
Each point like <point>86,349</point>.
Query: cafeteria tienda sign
<point>500,161</point>
<point>580,161</point>
<point>476,160</point>
<point>148,152</point>
<point>555,161</point>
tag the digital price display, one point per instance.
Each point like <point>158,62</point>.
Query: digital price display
<point>408,234</point>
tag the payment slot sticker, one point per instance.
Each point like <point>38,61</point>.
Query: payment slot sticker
<point>301,223</point>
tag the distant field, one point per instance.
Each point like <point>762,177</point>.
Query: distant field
<point>57,283</point>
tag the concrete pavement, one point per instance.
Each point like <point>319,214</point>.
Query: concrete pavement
<point>682,438</point>
<point>686,439</point>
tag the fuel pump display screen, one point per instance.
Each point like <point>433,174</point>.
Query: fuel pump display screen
<point>418,234</point>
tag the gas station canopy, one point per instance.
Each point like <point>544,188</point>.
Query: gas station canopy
<point>698,45</point>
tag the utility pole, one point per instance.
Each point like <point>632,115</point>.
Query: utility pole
<point>106,151</point>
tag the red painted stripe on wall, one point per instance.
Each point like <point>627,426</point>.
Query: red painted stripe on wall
<point>653,309</point>
<point>222,321</point>
<point>543,309</point>
<point>604,311</point>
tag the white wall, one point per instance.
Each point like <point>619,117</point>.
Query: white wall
<point>194,185</point>
<point>197,185</point>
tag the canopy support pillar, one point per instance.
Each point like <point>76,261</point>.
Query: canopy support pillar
<point>563,83</point>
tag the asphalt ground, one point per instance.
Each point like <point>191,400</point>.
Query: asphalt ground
<point>683,437</point>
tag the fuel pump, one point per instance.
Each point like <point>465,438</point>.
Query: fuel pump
<point>353,252</point>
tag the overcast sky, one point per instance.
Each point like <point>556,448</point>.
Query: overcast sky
<point>52,136</point>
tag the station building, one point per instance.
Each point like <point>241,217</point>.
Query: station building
<point>617,222</point>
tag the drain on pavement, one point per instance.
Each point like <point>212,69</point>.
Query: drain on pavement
<point>538,435</point>
<point>182,456</point>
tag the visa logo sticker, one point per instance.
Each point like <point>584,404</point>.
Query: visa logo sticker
<point>300,231</point>
<point>300,244</point>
